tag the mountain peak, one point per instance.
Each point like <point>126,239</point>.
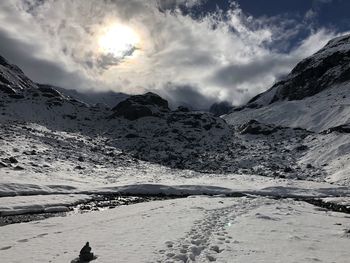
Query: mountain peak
<point>325,69</point>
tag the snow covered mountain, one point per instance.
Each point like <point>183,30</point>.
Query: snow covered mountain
<point>143,126</point>
<point>314,96</point>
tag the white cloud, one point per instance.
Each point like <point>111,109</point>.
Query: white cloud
<point>219,57</point>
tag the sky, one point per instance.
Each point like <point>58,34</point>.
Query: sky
<point>192,52</point>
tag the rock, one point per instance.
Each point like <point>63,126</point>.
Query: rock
<point>131,135</point>
<point>32,152</point>
<point>2,164</point>
<point>12,160</point>
<point>287,169</point>
<point>140,106</point>
<point>49,91</point>
<point>301,148</point>
<point>183,109</point>
<point>18,168</point>
<point>81,159</point>
<point>5,88</point>
<point>345,128</point>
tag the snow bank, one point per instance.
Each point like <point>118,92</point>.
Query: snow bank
<point>39,203</point>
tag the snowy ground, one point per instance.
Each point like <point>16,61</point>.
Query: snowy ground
<point>195,229</point>
<point>198,228</point>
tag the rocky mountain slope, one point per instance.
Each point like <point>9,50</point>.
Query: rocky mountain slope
<point>139,129</point>
<point>327,68</point>
<point>315,96</point>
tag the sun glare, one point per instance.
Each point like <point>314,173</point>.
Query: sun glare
<point>119,41</point>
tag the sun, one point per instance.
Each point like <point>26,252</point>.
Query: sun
<point>119,40</point>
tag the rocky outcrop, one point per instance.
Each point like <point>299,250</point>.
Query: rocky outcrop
<point>326,68</point>
<point>12,78</point>
<point>341,129</point>
<point>139,106</point>
<point>254,127</point>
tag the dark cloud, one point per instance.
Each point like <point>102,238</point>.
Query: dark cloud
<point>231,75</point>
<point>40,70</point>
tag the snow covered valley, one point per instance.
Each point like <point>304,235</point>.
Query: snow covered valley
<point>222,217</point>
<point>268,182</point>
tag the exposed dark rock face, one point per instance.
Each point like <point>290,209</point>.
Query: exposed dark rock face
<point>341,129</point>
<point>257,128</point>
<point>12,78</point>
<point>324,69</point>
<point>254,127</point>
<point>139,106</point>
<point>5,88</point>
<point>220,108</point>
<point>50,92</point>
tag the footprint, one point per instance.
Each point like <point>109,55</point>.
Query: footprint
<point>169,244</point>
<point>211,258</point>
<point>216,249</point>
<point>42,235</point>
<point>6,248</point>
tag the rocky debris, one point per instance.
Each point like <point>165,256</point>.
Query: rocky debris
<point>79,167</point>
<point>254,127</point>
<point>183,109</point>
<point>301,148</point>
<point>5,88</point>
<point>220,108</point>
<point>12,160</point>
<point>32,152</point>
<point>18,168</point>
<point>49,92</point>
<point>139,106</point>
<point>341,129</point>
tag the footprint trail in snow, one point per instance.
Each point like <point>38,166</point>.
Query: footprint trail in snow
<point>208,236</point>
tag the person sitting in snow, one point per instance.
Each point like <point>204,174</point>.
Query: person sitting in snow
<point>85,253</point>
